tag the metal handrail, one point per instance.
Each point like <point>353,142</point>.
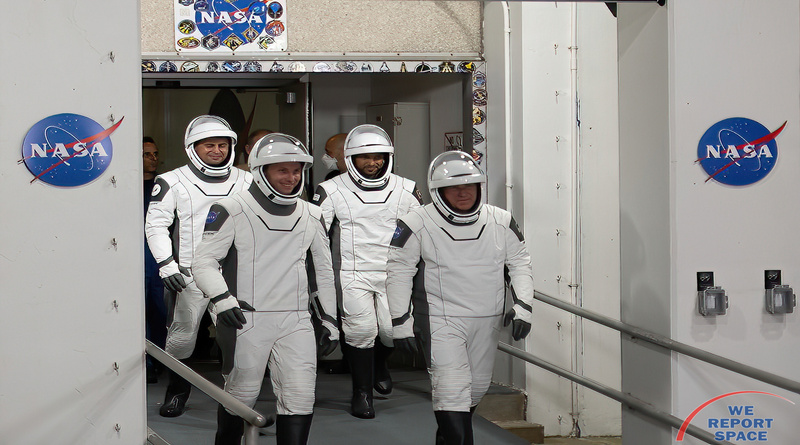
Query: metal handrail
<point>666,342</point>
<point>626,399</point>
<point>253,419</point>
<point>656,339</point>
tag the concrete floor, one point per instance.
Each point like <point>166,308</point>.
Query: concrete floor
<point>403,418</point>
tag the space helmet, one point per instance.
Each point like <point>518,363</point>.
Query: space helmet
<point>207,126</point>
<point>275,148</point>
<point>455,168</point>
<point>365,139</point>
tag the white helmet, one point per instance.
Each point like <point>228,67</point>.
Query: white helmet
<point>365,139</point>
<point>455,168</point>
<point>207,126</point>
<point>275,148</point>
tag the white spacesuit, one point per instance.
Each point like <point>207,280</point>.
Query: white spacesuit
<point>174,225</point>
<point>263,235</point>
<point>458,259</point>
<point>360,212</point>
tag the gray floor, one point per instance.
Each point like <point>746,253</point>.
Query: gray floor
<point>404,417</point>
<point>583,441</point>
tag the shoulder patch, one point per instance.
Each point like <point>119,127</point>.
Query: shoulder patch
<point>515,228</point>
<point>418,195</point>
<point>217,215</point>
<point>212,216</point>
<point>401,234</point>
<point>160,189</point>
<point>319,195</point>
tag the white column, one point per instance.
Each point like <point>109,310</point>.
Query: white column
<point>71,258</point>
<point>551,190</point>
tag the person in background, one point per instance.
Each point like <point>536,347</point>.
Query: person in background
<point>174,225</point>
<point>457,252</point>
<point>155,311</point>
<point>360,210</point>
<point>334,155</point>
<point>251,141</point>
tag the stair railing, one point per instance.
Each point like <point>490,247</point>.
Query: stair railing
<point>253,419</point>
<point>656,339</point>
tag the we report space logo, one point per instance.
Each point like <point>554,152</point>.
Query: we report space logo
<point>744,423</point>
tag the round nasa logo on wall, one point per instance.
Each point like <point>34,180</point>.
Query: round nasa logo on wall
<point>738,151</point>
<point>68,150</point>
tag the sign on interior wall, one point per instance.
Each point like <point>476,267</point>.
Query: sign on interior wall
<point>226,26</point>
<point>68,150</point>
<point>738,151</point>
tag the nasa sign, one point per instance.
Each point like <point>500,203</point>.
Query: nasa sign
<point>230,25</point>
<point>738,151</point>
<point>68,150</point>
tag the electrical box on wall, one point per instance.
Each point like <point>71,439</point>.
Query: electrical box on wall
<point>711,300</point>
<point>779,298</point>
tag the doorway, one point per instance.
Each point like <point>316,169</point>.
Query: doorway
<point>311,106</point>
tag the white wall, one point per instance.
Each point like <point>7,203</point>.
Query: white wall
<point>542,104</point>
<point>59,269</point>
<point>683,71</point>
<point>599,196</point>
<point>737,232</point>
<point>644,212</point>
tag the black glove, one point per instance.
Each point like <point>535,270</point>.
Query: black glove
<point>519,329</point>
<point>175,282</point>
<point>407,345</point>
<point>233,317</point>
<point>325,344</point>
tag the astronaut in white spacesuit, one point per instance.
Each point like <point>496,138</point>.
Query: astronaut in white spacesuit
<point>263,236</point>
<point>174,224</point>
<point>360,210</point>
<point>456,252</point>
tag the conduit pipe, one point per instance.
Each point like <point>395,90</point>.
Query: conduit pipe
<point>575,281</point>
<point>507,107</point>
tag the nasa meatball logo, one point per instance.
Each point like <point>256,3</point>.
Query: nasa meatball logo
<point>236,22</point>
<point>212,216</point>
<point>68,150</point>
<point>738,151</point>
